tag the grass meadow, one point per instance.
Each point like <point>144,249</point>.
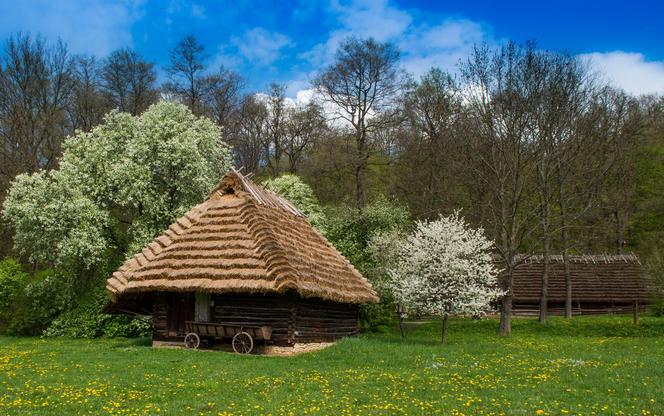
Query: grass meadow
<point>586,366</point>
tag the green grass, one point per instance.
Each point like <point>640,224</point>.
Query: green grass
<point>587,366</point>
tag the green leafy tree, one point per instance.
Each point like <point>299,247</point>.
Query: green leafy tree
<point>294,189</point>
<point>117,186</point>
<point>344,231</point>
<point>383,217</point>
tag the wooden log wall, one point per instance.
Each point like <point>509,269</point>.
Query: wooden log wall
<point>256,310</point>
<point>292,319</point>
<point>585,308</point>
<point>319,321</point>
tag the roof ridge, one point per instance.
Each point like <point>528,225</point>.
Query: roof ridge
<point>582,258</point>
<point>234,181</point>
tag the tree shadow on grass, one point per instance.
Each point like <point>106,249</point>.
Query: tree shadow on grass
<point>132,342</point>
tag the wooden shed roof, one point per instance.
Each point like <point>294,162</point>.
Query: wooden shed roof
<point>242,239</point>
<point>596,278</point>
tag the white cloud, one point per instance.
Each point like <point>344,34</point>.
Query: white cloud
<point>361,18</point>
<point>87,26</point>
<point>198,11</point>
<point>439,43</point>
<point>371,18</point>
<point>629,71</point>
<point>259,46</point>
<point>226,58</point>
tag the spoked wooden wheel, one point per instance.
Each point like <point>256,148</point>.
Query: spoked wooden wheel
<point>191,340</point>
<point>243,343</point>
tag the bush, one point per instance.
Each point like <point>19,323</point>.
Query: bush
<point>657,306</point>
<point>12,282</point>
<point>28,303</point>
<point>378,317</point>
<point>87,320</point>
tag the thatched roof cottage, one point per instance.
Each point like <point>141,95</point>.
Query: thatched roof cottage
<point>245,257</point>
<point>600,284</point>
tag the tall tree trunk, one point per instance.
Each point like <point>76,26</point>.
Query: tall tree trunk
<point>620,231</point>
<point>546,240</point>
<point>505,328</point>
<point>564,243</point>
<point>360,184</point>
<point>564,240</point>
<point>444,330</point>
<point>544,293</point>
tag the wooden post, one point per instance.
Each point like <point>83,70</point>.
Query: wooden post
<point>635,313</point>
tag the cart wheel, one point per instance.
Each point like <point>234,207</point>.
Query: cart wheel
<point>243,343</point>
<point>191,340</point>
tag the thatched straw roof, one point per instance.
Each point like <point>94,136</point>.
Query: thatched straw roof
<point>595,278</point>
<point>242,239</point>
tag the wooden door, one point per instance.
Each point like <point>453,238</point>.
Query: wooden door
<point>202,308</point>
<point>181,309</point>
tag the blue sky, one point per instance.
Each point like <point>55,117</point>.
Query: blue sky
<point>288,41</point>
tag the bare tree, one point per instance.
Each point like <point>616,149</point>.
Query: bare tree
<point>36,83</point>
<point>186,71</point>
<point>498,151</point>
<point>249,133</point>
<point>560,89</point>
<point>276,126</point>
<point>582,157</point>
<point>87,104</point>
<point>428,145</point>
<point>304,126</point>
<point>222,99</point>
<point>129,81</point>
<point>363,81</point>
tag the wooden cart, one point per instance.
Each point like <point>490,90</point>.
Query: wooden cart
<point>242,337</point>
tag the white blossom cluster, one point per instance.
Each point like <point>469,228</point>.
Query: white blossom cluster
<point>117,186</point>
<point>444,268</point>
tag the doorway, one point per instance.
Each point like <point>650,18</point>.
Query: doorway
<point>181,309</point>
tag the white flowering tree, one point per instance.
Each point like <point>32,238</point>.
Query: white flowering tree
<point>445,268</point>
<point>117,186</point>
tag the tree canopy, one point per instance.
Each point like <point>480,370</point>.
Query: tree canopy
<point>117,186</point>
<point>294,189</point>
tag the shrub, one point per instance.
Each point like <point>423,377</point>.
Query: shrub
<point>87,320</point>
<point>343,227</point>
<point>35,300</point>
<point>12,282</point>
